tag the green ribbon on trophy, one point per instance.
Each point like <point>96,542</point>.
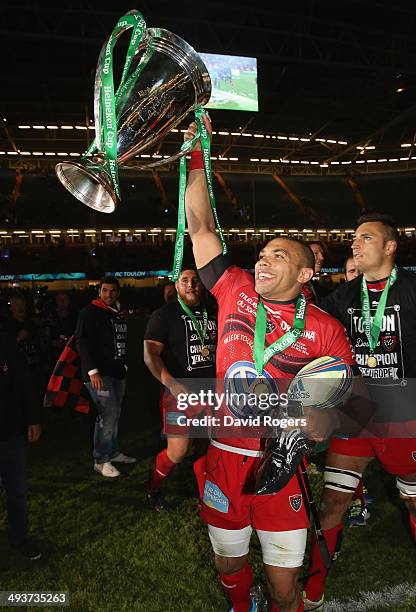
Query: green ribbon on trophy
<point>110,102</point>
<point>372,329</point>
<point>203,135</point>
<point>260,354</point>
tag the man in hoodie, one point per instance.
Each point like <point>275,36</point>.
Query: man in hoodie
<point>101,340</point>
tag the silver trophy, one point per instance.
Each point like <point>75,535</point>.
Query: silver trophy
<point>171,80</point>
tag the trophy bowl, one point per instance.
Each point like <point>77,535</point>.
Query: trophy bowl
<point>166,80</point>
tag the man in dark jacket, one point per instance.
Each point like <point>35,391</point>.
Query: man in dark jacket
<point>101,340</point>
<point>19,421</point>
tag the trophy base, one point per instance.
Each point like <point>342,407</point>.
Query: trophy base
<point>88,183</point>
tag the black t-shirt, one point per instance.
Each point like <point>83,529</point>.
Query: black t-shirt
<point>392,382</point>
<point>181,354</point>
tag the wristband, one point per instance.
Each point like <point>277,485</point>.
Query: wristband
<point>196,161</point>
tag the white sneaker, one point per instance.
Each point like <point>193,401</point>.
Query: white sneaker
<point>106,469</point>
<point>313,605</point>
<point>121,458</point>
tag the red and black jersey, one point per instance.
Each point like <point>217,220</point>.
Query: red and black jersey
<point>237,307</point>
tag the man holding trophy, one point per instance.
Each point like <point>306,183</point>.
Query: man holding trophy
<point>280,520</point>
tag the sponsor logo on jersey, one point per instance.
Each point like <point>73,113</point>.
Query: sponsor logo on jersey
<point>215,498</point>
<point>242,385</point>
<point>295,502</point>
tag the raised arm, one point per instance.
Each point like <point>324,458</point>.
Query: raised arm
<point>205,241</point>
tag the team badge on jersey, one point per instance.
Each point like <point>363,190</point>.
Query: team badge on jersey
<point>295,502</point>
<point>414,455</point>
<point>270,327</point>
<point>246,391</point>
<point>389,342</point>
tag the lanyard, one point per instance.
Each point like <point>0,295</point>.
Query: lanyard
<point>372,328</point>
<point>200,330</point>
<point>202,133</point>
<point>262,355</point>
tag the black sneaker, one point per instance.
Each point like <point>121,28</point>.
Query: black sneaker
<point>156,500</point>
<point>29,550</point>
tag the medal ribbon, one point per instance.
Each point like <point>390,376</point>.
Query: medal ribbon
<point>203,135</point>
<point>107,116</point>
<point>262,355</point>
<point>372,330</point>
<point>200,330</point>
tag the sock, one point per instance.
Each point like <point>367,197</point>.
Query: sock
<point>237,586</point>
<point>315,584</point>
<point>275,608</point>
<point>412,523</point>
<point>163,468</point>
<point>359,494</point>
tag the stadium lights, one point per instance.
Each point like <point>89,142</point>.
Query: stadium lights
<point>406,144</point>
<point>38,127</point>
<point>52,127</point>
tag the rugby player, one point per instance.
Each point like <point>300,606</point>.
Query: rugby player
<point>179,345</point>
<point>384,340</point>
<point>226,475</point>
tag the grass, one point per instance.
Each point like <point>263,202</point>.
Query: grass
<point>102,544</point>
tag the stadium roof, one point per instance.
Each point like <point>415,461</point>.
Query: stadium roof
<point>332,71</point>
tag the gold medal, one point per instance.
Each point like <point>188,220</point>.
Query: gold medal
<point>205,351</point>
<point>372,361</point>
<point>261,388</point>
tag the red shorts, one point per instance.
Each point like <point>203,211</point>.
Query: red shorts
<point>225,480</point>
<point>396,455</point>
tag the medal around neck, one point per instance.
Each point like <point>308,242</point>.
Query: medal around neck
<point>163,80</point>
<point>372,327</point>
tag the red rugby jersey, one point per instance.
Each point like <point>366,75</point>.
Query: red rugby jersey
<point>237,306</point>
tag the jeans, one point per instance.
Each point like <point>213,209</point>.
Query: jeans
<point>108,405</point>
<point>12,474</point>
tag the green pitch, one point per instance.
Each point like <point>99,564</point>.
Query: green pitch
<point>239,94</point>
